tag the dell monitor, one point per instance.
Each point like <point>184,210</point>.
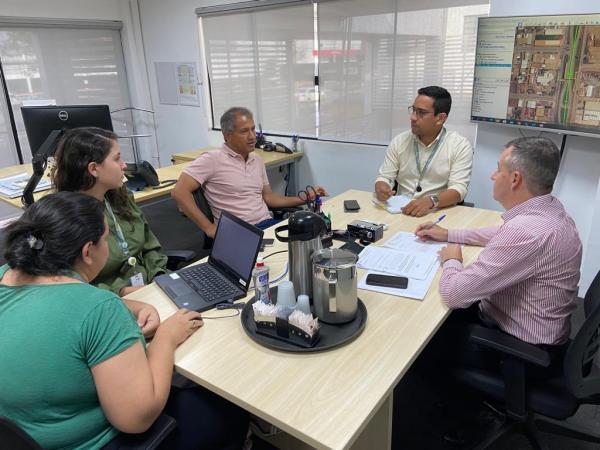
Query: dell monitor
<point>540,72</point>
<point>40,121</point>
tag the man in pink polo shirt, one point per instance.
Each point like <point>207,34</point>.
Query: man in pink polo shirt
<point>233,178</point>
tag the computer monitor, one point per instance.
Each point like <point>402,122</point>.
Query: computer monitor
<point>40,121</point>
<point>539,71</point>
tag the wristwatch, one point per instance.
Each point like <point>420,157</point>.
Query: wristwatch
<point>435,200</point>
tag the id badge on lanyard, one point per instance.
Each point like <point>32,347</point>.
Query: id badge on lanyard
<point>137,279</point>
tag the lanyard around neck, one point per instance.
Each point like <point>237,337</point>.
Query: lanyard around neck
<point>118,231</point>
<point>431,155</point>
<point>73,274</point>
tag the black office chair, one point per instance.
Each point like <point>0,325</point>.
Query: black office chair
<point>14,438</point>
<point>174,231</point>
<point>540,404</point>
<point>204,207</point>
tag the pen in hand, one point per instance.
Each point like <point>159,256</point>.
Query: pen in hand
<point>429,231</point>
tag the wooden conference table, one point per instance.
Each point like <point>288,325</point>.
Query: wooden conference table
<point>334,399</point>
<point>271,159</point>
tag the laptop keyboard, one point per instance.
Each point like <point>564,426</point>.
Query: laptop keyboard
<point>208,283</point>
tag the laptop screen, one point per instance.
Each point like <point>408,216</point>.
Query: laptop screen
<point>236,246</point>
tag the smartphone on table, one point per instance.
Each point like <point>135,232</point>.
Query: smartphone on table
<point>267,242</point>
<point>389,281</point>
<point>351,206</point>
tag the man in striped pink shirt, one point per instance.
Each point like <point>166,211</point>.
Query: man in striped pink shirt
<point>525,278</point>
<point>524,282</point>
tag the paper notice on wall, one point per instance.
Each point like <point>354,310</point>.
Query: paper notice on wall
<point>187,84</point>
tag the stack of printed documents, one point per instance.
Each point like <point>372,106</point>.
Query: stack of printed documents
<point>13,186</point>
<point>402,255</point>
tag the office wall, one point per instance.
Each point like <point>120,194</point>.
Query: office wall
<point>170,34</point>
<point>577,185</point>
<point>121,10</point>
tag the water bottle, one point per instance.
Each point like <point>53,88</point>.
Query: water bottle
<point>260,278</point>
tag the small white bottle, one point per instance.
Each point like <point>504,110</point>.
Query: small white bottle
<point>260,278</point>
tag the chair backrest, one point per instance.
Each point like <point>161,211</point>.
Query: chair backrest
<point>173,229</point>
<point>582,376</point>
<point>204,206</point>
<point>14,438</point>
<point>592,296</point>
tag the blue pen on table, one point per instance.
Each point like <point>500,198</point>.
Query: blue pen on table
<point>439,219</point>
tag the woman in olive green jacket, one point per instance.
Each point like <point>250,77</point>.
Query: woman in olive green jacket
<point>88,160</point>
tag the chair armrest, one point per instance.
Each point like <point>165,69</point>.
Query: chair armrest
<point>180,255</point>
<point>502,342</point>
<point>150,439</point>
<point>177,257</point>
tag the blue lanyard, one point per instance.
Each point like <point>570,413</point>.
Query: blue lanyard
<point>120,237</point>
<point>431,155</point>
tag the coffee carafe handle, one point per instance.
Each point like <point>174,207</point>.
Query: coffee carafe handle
<point>332,278</point>
<point>281,238</point>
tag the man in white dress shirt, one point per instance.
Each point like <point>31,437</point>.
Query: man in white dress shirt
<point>429,163</point>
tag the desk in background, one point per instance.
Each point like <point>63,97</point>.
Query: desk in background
<point>164,173</point>
<point>334,399</point>
<point>272,160</point>
<point>180,160</point>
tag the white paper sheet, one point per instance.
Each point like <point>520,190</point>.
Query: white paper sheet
<point>416,289</point>
<point>13,186</point>
<point>394,204</point>
<point>409,243</point>
<point>386,260</point>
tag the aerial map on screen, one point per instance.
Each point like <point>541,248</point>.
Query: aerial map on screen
<point>539,72</point>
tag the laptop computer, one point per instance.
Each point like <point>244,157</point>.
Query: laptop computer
<point>225,277</point>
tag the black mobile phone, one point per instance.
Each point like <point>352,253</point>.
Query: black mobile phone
<point>267,242</point>
<point>353,247</point>
<point>390,281</point>
<point>351,206</point>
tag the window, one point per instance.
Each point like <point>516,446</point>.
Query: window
<point>264,61</point>
<point>64,64</point>
<point>370,58</point>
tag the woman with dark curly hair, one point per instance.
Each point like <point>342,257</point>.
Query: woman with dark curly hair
<point>88,160</point>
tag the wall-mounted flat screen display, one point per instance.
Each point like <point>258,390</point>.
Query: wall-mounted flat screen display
<point>539,71</point>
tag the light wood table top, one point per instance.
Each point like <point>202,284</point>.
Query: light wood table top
<point>324,399</point>
<point>271,159</point>
<point>164,173</point>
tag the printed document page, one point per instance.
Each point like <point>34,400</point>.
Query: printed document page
<point>409,243</point>
<point>411,265</point>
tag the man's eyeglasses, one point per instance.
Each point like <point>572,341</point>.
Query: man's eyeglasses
<point>419,112</point>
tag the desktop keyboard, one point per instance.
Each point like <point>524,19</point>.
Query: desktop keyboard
<point>208,282</point>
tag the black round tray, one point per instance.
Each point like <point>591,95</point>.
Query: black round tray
<point>330,335</point>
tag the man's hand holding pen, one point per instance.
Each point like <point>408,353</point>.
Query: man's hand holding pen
<point>431,231</point>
